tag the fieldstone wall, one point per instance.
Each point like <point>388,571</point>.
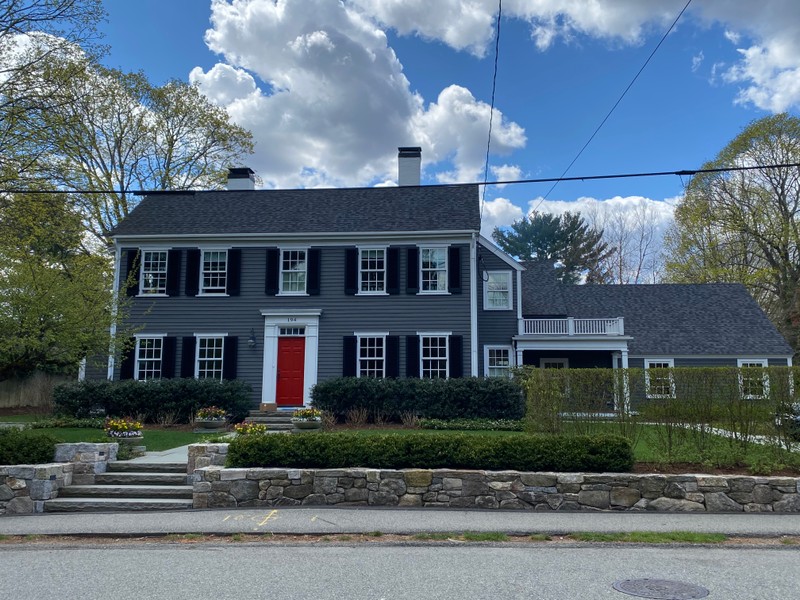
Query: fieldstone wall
<point>217,487</point>
<point>24,488</point>
<point>206,455</point>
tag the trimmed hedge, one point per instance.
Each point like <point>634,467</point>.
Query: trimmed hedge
<point>473,424</point>
<point>25,448</point>
<point>174,399</point>
<point>460,397</point>
<point>596,453</point>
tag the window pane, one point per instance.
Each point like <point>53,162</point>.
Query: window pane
<point>148,363</point>
<point>433,265</point>
<point>209,358</point>
<point>214,271</point>
<point>371,357</point>
<point>293,271</point>
<point>154,272</point>
<point>499,362</point>
<point>498,290</point>
<point>434,357</point>
<point>373,270</point>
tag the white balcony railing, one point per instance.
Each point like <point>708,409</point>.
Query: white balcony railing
<point>572,326</point>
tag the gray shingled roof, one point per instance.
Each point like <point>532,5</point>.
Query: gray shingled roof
<point>305,211</point>
<point>672,319</point>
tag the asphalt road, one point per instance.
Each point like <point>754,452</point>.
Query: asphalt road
<point>378,572</point>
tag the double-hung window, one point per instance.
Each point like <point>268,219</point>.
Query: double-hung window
<point>372,270</point>
<point>498,361</point>
<point>497,290</point>
<point>433,356</point>
<point>433,270</point>
<point>153,272</point>
<point>658,378</point>
<point>753,378</point>
<point>293,271</point>
<point>209,357</point>
<point>149,357</point>
<point>371,355</point>
<point>214,271</point>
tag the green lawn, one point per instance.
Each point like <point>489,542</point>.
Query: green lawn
<point>155,440</point>
<point>27,418</point>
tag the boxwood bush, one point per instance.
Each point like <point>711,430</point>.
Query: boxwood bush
<point>19,447</point>
<point>170,399</point>
<point>461,397</point>
<point>431,451</point>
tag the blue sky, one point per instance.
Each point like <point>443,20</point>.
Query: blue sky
<point>331,89</point>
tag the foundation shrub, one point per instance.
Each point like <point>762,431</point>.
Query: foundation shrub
<point>462,397</point>
<point>154,401</point>
<point>26,447</point>
<point>431,451</point>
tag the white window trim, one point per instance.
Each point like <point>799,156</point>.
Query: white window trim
<point>446,290</point>
<point>366,334</point>
<point>146,336</point>
<point>510,305</point>
<point>142,293</point>
<point>763,362</point>
<point>430,334</point>
<point>647,367</point>
<point>281,250</point>
<point>198,337</point>
<point>486,348</point>
<point>359,291</point>
<point>201,290</point>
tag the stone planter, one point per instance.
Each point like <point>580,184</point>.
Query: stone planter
<point>307,424</point>
<point>210,425</point>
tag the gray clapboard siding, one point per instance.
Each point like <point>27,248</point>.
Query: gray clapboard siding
<point>495,327</point>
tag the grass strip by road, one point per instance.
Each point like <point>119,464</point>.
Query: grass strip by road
<point>650,537</point>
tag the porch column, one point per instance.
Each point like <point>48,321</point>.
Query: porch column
<point>626,388</point>
<point>519,358</point>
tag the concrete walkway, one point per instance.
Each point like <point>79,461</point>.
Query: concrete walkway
<point>173,455</point>
<point>324,521</point>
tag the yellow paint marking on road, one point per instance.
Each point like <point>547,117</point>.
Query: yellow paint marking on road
<point>226,518</point>
<point>267,518</point>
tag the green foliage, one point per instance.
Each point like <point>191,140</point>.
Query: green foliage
<point>462,397</point>
<point>152,401</point>
<point>431,451</point>
<point>472,424</point>
<point>26,448</point>
<point>65,421</point>
<point>566,239</point>
<point>54,295</point>
<point>742,227</point>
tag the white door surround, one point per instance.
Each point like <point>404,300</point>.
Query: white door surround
<point>274,321</point>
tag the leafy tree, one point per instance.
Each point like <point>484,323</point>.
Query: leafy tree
<point>566,241</point>
<point>744,226</point>
<point>54,301</point>
<point>120,132</point>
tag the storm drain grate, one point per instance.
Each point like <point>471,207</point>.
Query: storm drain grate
<point>660,589</point>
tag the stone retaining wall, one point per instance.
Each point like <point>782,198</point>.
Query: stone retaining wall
<point>206,455</point>
<point>24,488</point>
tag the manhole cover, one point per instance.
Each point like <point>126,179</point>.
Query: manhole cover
<point>660,589</point>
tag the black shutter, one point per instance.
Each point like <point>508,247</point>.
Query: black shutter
<point>234,275</point>
<point>133,266</point>
<point>174,273</point>
<point>454,270</point>
<point>392,356</point>
<point>412,277</point>
<point>230,357</point>
<point>272,272</point>
<point>412,356</point>
<point>351,271</point>
<point>456,356</point>
<point>349,355</point>
<point>392,271</point>
<point>187,356</point>
<point>314,271</point>
<point>168,348</point>
<point>128,362</point>
<point>192,272</point>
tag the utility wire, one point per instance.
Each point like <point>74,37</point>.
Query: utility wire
<point>679,173</point>
<point>491,105</point>
<point>613,108</point>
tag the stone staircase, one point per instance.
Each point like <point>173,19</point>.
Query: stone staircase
<point>128,486</point>
<point>274,420</point>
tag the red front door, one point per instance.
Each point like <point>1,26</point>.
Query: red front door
<point>291,358</point>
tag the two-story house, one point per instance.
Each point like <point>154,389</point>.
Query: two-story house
<point>285,288</point>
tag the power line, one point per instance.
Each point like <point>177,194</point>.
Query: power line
<point>491,105</point>
<point>678,173</point>
<point>613,108</point>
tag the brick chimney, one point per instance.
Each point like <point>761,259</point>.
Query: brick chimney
<point>409,159</point>
<point>241,178</point>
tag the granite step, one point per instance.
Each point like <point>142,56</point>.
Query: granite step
<point>115,504</point>
<point>138,467</point>
<point>126,491</point>
<point>140,478</point>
